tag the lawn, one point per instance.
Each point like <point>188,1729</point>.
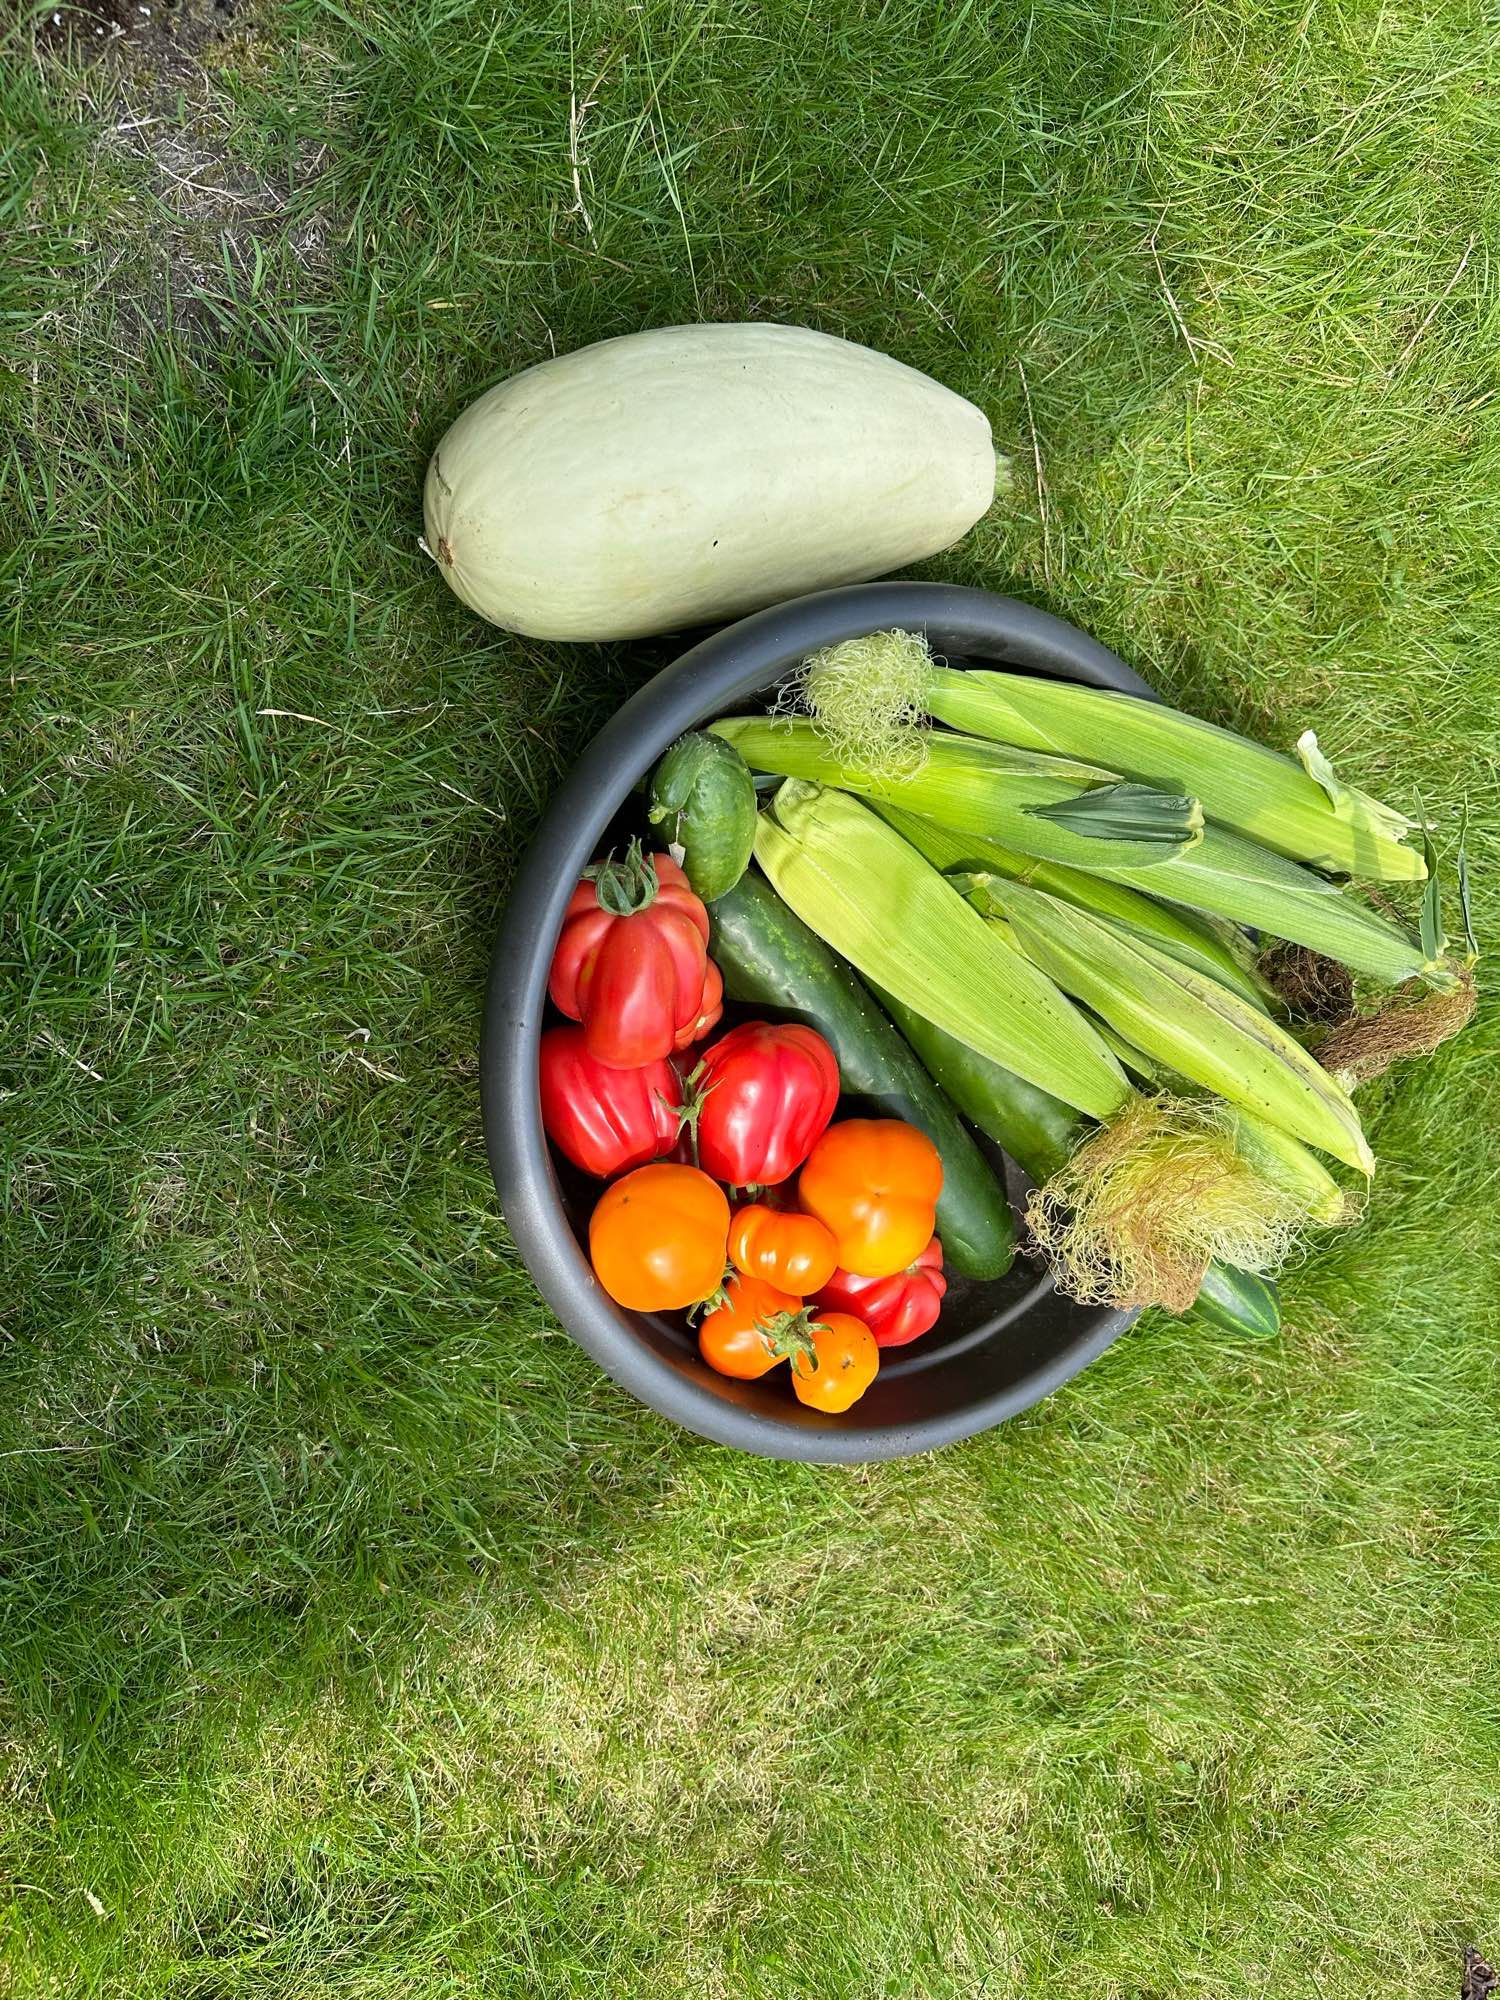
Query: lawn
<point>357,1638</point>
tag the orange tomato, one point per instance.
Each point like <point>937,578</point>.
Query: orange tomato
<point>842,1365</point>
<point>874,1182</point>
<point>657,1236</point>
<point>795,1252</point>
<point>738,1336</point>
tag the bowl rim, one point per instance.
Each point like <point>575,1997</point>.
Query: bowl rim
<point>740,660</point>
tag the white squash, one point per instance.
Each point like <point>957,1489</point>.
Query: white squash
<point>696,472</point>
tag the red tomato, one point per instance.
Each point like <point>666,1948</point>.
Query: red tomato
<point>895,1309</point>
<point>631,958</point>
<point>605,1120</point>
<point>710,1010</point>
<point>767,1094</point>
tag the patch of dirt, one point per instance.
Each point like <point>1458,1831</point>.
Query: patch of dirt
<point>150,72</point>
<point>85,27</point>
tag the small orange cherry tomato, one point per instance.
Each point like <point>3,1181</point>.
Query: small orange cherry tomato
<point>874,1182</point>
<point>657,1236</point>
<point>738,1336</point>
<point>795,1252</point>
<point>842,1365</point>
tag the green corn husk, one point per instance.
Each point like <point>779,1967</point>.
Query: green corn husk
<point>858,885</point>
<point>1297,807</point>
<point>984,788</point>
<point>1289,1163</point>
<point>1146,1206</point>
<point>1220,873</point>
<point>1228,877</point>
<point>1227,959</point>
<point>1150,1208</point>
<point>1182,1019</point>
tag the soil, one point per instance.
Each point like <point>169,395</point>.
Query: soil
<point>85,27</point>
<point>157,91</point>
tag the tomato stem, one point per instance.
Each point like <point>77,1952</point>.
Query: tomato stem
<point>716,1298</point>
<point>790,1338</point>
<point>625,888</point>
<point>694,1097</point>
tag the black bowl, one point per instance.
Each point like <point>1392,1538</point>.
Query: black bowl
<point>999,1347</point>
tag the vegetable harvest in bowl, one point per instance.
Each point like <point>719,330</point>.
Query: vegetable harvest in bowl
<point>775,1202</point>
<point>1035,911</point>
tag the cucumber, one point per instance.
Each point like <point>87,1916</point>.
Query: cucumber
<point>703,799</point>
<point>1238,1302</point>
<point>1039,1132</point>
<point>769,958</point>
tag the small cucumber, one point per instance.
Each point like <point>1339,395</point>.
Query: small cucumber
<point>1238,1301</point>
<point>770,959</point>
<point>703,800</point>
<point>1039,1132</point>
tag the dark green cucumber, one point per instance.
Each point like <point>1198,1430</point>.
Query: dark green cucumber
<point>769,958</point>
<point>1039,1132</point>
<point>703,801</point>
<point>1238,1302</point>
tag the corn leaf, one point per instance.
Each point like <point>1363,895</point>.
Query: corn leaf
<point>1128,812</point>
<point>1434,937</point>
<point>1358,808</point>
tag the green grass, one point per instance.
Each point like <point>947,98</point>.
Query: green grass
<point>357,1638</point>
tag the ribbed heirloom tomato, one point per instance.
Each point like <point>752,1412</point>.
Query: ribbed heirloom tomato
<point>605,1120</point>
<point>739,1336</point>
<point>795,1252</point>
<point>710,1009</point>
<point>632,959</point>
<point>895,1309</point>
<point>767,1092</point>
<point>875,1183</point>
<point>657,1237</point>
